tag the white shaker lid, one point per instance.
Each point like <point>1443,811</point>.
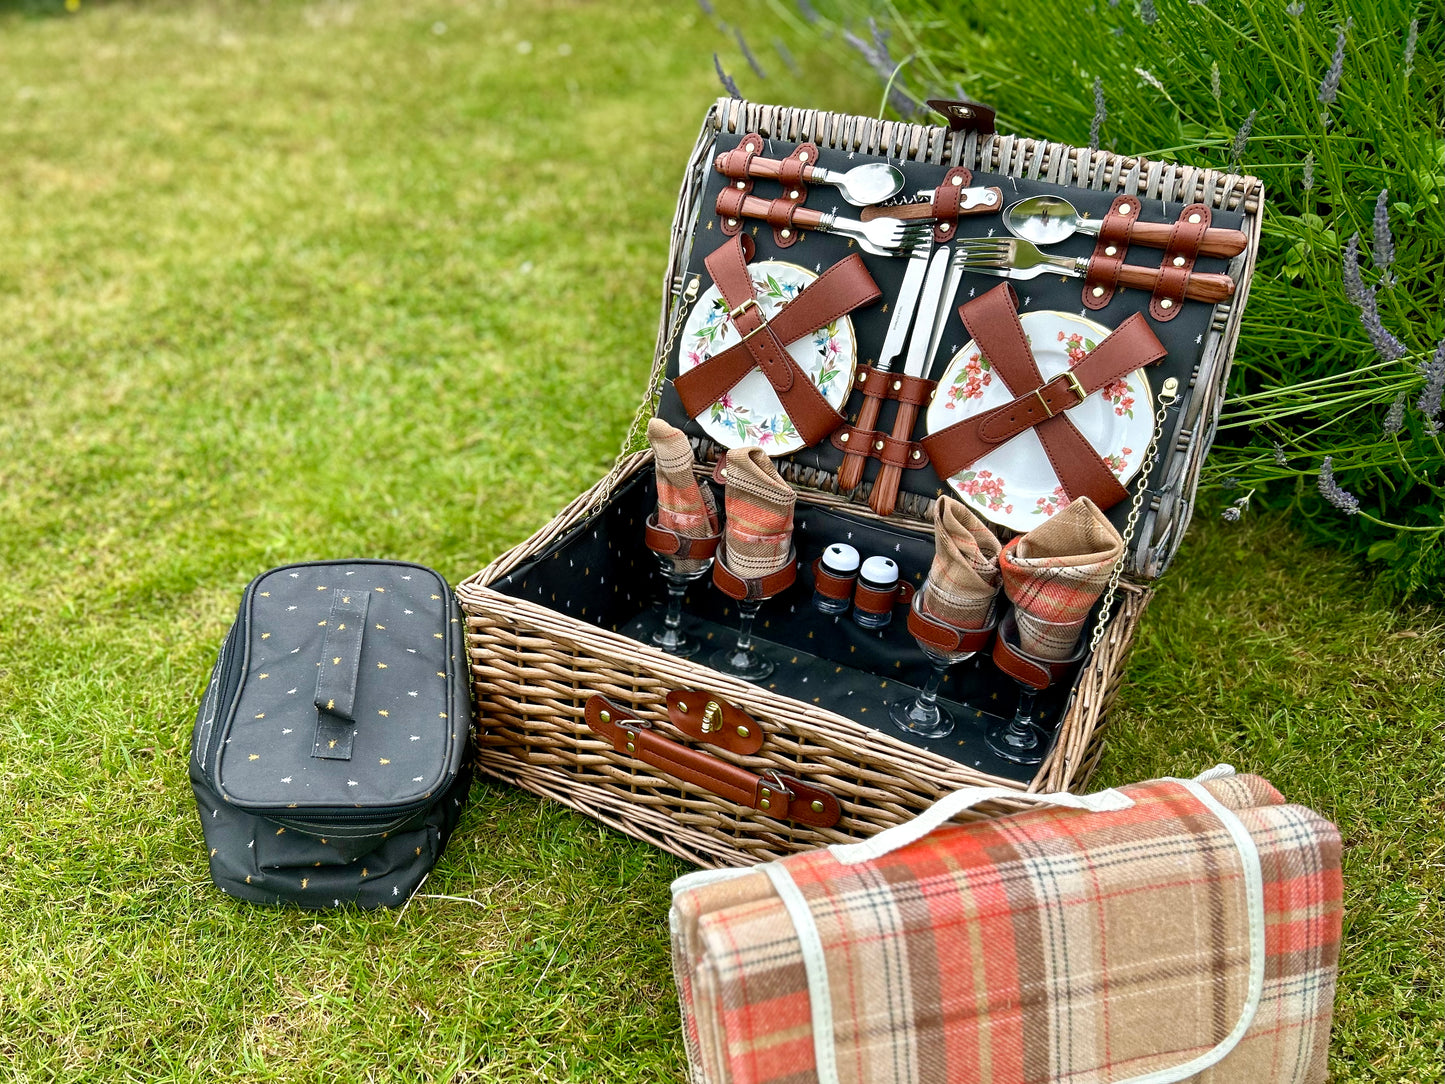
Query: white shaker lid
<point>880,570</point>
<point>840,557</point>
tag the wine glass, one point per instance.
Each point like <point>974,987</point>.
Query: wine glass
<point>1022,739</point>
<point>742,660</point>
<point>678,575</point>
<point>921,714</point>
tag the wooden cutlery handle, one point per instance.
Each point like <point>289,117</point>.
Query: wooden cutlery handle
<point>885,488</point>
<point>1217,242</point>
<point>803,218</point>
<point>1200,287</point>
<point>766,168</point>
<point>851,472</point>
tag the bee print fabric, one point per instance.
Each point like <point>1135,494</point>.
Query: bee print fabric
<point>329,752</point>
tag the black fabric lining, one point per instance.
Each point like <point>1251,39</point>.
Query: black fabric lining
<point>601,573</point>
<point>1183,336</point>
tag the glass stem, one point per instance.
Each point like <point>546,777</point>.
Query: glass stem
<point>746,612</point>
<point>1024,713</point>
<point>928,695</point>
<point>672,619</point>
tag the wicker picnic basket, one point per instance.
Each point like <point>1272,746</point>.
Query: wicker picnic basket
<point>550,622</point>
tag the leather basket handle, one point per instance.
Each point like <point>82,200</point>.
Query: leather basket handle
<point>779,796</point>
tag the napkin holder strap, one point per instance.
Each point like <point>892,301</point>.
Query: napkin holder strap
<point>993,322</point>
<point>763,341</point>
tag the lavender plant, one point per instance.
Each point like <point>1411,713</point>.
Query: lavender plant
<point>1334,407</point>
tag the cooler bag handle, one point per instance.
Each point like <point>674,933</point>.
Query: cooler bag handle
<point>337,675</point>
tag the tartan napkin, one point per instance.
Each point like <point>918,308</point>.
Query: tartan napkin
<point>964,577</point>
<point>683,506</point>
<point>1055,573</point>
<point>759,529</point>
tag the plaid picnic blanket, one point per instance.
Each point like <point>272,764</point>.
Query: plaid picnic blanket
<point>1171,930</point>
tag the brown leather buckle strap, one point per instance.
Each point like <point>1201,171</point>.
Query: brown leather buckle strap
<point>1031,670</point>
<point>736,587</point>
<point>993,322</point>
<point>927,629</point>
<point>839,290</point>
<point>778,796</point>
<point>705,717</point>
<point>671,544</point>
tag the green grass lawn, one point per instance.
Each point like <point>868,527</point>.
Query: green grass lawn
<point>284,281</point>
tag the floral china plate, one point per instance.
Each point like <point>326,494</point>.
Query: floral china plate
<point>1015,485</point>
<point>750,414</point>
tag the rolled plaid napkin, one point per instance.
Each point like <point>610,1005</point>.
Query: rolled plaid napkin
<point>683,506</point>
<point>963,580</point>
<point>758,533</point>
<point>1055,573</point>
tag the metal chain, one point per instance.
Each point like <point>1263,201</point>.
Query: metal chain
<point>648,406</point>
<point>1168,393</point>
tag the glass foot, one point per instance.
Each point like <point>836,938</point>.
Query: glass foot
<point>921,718</point>
<point>676,642</point>
<point>1018,742</point>
<point>741,662</point>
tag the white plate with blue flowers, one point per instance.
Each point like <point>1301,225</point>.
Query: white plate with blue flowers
<point>750,414</point>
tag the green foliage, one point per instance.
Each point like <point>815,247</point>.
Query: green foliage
<point>1237,85</point>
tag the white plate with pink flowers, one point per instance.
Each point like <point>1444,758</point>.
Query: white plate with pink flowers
<point>1015,485</point>
<point>750,415</point>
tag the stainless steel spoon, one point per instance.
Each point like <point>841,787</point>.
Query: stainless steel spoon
<point>862,186</point>
<point>1047,220</point>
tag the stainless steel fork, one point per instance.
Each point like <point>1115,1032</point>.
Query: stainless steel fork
<point>880,236</point>
<point>1014,258</point>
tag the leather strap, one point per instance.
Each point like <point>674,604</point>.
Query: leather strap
<point>865,442</point>
<point>778,796</point>
<point>949,639</point>
<point>705,717</point>
<point>737,163</point>
<point>792,172</point>
<point>872,601</point>
<point>965,116</point>
<point>829,585</point>
<point>671,544</point>
<point>992,320</point>
<point>1031,670</point>
<point>336,677</point>
<point>1102,278</point>
<point>917,390</point>
<point>1179,256</point>
<point>946,200</point>
<point>735,587</point>
<point>839,290</point>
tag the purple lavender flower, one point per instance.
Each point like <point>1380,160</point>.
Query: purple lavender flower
<point>1279,456</point>
<point>1330,84</point>
<point>725,79</point>
<point>1386,345</point>
<point>706,8</point>
<point>1147,12</point>
<point>748,54</point>
<point>1410,40</point>
<point>1434,373</point>
<point>1307,175</point>
<point>1231,514</point>
<point>1100,114</point>
<point>1296,9</point>
<point>1354,285</point>
<point>1241,137</point>
<point>1214,87</point>
<point>805,9</point>
<point>1384,250</point>
<point>1330,490</point>
<point>876,53</point>
<point>1395,416</point>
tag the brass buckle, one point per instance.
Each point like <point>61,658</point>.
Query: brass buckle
<point>750,303</point>
<point>1074,385</point>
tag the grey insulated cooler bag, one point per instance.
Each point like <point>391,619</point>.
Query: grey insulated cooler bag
<point>329,757</point>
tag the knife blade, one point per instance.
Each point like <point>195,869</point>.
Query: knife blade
<point>938,290</point>
<point>850,473</point>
